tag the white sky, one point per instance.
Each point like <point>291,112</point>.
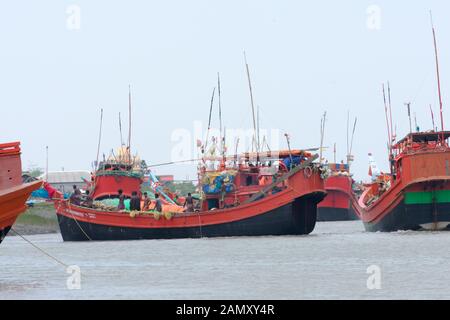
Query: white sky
<point>305,57</point>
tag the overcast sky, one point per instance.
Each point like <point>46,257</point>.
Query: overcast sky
<point>305,57</point>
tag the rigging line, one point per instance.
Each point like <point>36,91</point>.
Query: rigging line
<point>76,221</point>
<point>40,249</point>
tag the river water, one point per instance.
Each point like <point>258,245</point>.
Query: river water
<point>331,263</point>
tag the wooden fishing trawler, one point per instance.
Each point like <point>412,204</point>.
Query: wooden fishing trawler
<point>416,195</point>
<point>247,198</point>
<point>337,204</point>
<point>13,192</point>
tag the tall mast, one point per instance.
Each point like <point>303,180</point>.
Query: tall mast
<point>99,136</point>
<point>387,118</point>
<point>120,129</point>
<point>408,105</point>
<point>252,103</point>
<point>334,152</point>
<point>209,118</point>
<point>220,116</point>
<point>432,118</point>
<point>390,114</point>
<point>129,123</point>
<point>257,127</point>
<point>322,133</point>
<point>437,75</point>
<point>350,158</point>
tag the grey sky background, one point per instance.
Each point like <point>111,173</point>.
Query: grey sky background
<point>306,57</point>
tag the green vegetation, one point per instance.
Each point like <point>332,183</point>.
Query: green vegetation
<point>41,214</point>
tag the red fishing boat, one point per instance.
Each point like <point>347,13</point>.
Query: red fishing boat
<point>416,195</point>
<point>13,192</point>
<point>275,195</point>
<point>337,204</point>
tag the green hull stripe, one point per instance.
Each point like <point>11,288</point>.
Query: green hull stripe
<point>426,197</point>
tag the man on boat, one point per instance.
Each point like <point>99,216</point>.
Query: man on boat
<point>75,197</point>
<point>189,203</point>
<point>147,202</point>
<point>88,201</point>
<point>158,204</point>
<point>121,205</point>
<point>135,202</point>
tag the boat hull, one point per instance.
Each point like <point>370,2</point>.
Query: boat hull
<point>418,216</point>
<point>12,204</point>
<point>335,214</point>
<point>337,204</point>
<point>295,218</point>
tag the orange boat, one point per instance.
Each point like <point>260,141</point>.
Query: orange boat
<point>337,204</point>
<point>13,192</point>
<point>416,195</point>
<point>238,199</point>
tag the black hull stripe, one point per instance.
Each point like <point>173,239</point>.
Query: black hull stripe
<point>411,217</point>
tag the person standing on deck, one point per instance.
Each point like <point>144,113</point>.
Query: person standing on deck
<point>189,203</point>
<point>75,198</point>
<point>135,202</point>
<point>147,202</point>
<point>88,201</point>
<point>121,205</point>
<point>158,204</point>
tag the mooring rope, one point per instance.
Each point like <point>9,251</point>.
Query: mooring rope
<point>40,249</point>
<point>76,221</point>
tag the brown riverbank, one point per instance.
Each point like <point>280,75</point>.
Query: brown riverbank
<point>39,219</point>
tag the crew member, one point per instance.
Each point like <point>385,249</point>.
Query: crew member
<point>189,203</point>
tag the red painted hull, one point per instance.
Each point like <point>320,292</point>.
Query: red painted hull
<point>421,171</point>
<point>13,193</point>
<point>337,204</point>
<point>290,211</point>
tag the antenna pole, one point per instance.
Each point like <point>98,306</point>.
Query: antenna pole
<point>322,133</point>
<point>251,100</point>
<point>129,123</point>
<point>408,105</point>
<point>220,116</point>
<point>387,117</point>
<point>334,152</point>
<point>120,129</point>
<point>209,118</point>
<point>390,114</point>
<point>437,75</point>
<point>99,136</point>
<point>432,118</point>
